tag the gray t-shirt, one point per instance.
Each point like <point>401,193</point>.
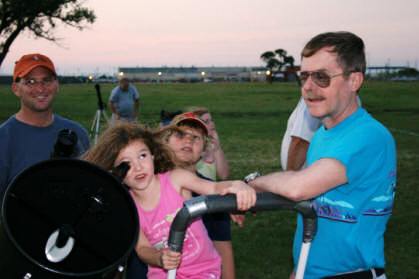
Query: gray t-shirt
<point>124,100</point>
<point>23,145</point>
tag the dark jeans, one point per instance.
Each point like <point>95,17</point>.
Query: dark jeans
<point>136,269</point>
<point>366,274</point>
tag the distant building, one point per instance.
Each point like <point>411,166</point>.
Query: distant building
<point>377,70</point>
<point>193,74</point>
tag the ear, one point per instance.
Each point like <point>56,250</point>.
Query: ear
<point>15,89</point>
<point>357,78</point>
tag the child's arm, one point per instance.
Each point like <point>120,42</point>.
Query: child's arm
<point>246,195</point>
<point>163,258</point>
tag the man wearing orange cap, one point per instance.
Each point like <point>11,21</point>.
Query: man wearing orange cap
<point>29,136</point>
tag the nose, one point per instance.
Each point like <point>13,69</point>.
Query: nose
<point>189,138</point>
<point>39,86</point>
<point>136,165</point>
<point>307,85</point>
<point>308,88</point>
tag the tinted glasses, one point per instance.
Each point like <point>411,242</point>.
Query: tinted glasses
<point>320,78</point>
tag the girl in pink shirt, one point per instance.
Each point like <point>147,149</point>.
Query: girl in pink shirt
<point>159,190</point>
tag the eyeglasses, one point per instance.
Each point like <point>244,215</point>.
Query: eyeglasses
<point>320,78</point>
<point>33,82</point>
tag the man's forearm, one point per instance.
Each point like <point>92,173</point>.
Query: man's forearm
<point>276,183</point>
<point>112,107</point>
<point>310,182</point>
<point>136,107</point>
<point>297,153</point>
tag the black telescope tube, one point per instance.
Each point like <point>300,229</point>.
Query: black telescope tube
<point>100,103</point>
<point>201,205</point>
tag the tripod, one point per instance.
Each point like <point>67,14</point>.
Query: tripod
<point>100,113</point>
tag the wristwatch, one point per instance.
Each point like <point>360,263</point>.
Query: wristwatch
<point>251,176</point>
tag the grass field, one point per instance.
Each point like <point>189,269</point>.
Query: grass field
<point>251,119</point>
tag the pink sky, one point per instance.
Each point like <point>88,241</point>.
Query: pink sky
<point>131,33</point>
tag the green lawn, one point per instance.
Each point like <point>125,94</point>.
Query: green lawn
<point>251,119</point>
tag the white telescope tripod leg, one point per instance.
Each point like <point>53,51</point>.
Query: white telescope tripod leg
<point>97,125</point>
<point>93,124</point>
<point>302,260</point>
<point>171,274</point>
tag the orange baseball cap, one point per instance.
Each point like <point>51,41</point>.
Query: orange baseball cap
<point>29,62</point>
<point>189,116</point>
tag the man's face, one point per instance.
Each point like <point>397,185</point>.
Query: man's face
<point>187,144</point>
<point>332,103</point>
<point>36,90</point>
<point>124,83</point>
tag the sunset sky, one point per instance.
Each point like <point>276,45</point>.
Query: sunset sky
<point>130,33</point>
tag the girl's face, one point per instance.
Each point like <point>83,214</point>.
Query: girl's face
<point>187,144</point>
<point>141,172</point>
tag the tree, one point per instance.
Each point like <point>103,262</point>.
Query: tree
<point>276,61</point>
<point>39,17</point>
<point>408,72</point>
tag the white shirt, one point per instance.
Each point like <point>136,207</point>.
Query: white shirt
<point>300,124</point>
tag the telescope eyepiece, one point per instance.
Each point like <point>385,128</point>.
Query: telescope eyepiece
<point>66,144</point>
<point>121,171</point>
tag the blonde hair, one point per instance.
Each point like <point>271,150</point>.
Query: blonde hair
<point>117,137</point>
<point>163,136</point>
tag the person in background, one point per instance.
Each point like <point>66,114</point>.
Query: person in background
<point>124,101</point>
<point>187,136</point>
<point>301,127</point>
<point>213,163</point>
<point>351,165</point>
<point>29,136</point>
<point>167,116</point>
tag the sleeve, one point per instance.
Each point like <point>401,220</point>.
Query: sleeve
<point>368,157</point>
<point>84,140</point>
<point>359,153</point>
<point>305,125</point>
<point>113,98</point>
<point>4,168</point>
<point>3,178</point>
<point>135,93</point>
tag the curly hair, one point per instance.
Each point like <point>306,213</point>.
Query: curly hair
<point>117,137</point>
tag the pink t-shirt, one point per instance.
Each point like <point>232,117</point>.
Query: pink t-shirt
<point>199,258</point>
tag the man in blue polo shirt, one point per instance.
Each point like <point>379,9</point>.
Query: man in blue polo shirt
<point>124,101</point>
<point>351,165</point>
